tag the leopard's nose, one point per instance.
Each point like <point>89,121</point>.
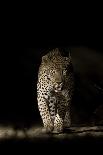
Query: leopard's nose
<point>58,86</point>
<point>59,83</point>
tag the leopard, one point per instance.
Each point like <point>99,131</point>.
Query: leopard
<point>55,86</point>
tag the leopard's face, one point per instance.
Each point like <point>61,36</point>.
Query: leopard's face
<point>57,76</point>
<point>56,70</point>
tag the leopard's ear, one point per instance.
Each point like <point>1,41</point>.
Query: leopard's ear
<point>45,59</point>
<point>68,58</point>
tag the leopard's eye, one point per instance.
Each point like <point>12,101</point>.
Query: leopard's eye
<point>51,71</point>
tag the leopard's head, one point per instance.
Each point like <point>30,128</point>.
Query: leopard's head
<point>58,69</point>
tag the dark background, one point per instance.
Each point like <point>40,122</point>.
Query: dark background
<point>18,104</point>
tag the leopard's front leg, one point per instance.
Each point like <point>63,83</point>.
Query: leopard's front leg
<point>59,119</point>
<point>45,115</point>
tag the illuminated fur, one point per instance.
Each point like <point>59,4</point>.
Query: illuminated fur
<point>54,91</point>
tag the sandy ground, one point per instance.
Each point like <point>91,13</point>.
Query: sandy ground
<point>36,132</point>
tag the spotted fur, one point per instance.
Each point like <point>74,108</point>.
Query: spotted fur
<point>54,91</point>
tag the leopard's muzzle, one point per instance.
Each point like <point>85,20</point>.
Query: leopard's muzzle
<point>58,87</point>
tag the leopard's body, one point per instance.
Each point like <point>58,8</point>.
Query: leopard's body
<point>55,90</point>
